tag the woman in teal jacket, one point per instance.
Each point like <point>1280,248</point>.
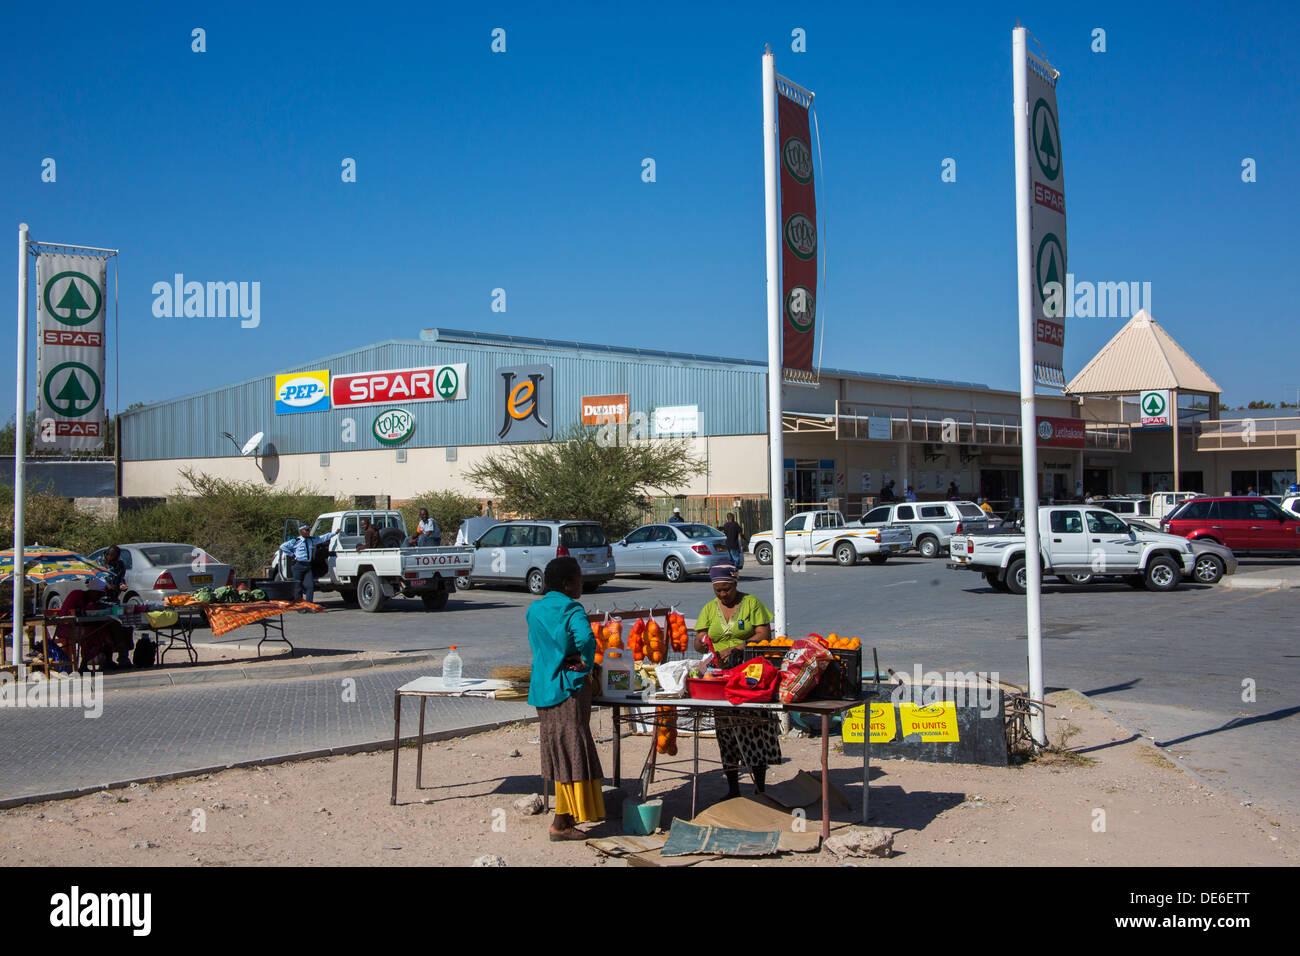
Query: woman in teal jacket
<point>561,688</point>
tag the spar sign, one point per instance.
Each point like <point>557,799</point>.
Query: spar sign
<point>1046,223</point>
<point>436,383</point>
<point>70,300</point>
<point>1154,406</point>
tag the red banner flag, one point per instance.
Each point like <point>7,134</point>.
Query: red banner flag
<point>798,229</point>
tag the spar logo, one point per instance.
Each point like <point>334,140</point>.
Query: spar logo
<point>800,308</point>
<point>801,236</point>
<point>797,158</point>
<point>77,295</point>
<point>1047,140</point>
<point>1045,430</point>
<point>393,426</point>
<point>302,392</point>
<point>1049,265</point>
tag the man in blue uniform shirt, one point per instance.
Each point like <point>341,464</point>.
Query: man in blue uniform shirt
<point>300,549</point>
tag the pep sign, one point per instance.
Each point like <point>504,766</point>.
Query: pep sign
<point>302,392</point>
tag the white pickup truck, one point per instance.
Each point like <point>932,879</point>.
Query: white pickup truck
<point>826,534</point>
<point>1078,543</point>
<point>370,577</point>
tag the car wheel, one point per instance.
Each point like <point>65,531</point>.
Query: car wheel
<point>1083,578</point>
<point>370,595</point>
<point>51,600</point>
<point>463,583</point>
<point>846,555</point>
<point>877,558</point>
<point>435,601</point>
<point>763,554</point>
<point>1017,579</point>
<point>928,546</point>
<point>994,580</point>
<point>1209,569</point>
<point>536,582</point>
<point>392,538</point>
<point>673,570</point>
<point>1162,575</point>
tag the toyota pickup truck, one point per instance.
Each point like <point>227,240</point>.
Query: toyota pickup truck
<point>826,534</point>
<point>1077,543</point>
<point>369,578</point>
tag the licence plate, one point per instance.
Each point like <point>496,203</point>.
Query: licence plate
<point>589,558</point>
<point>200,579</point>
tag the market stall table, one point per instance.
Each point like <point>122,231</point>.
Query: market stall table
<point>424,688</point>
<point>697,707</point>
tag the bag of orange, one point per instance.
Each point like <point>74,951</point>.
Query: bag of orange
<point>600,641</point>
<point>680,640</point>
<point>636,639</point>
<point>666,731</point>
<point>654,641</point>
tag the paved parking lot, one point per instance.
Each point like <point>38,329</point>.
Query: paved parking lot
<point>1169,666</point>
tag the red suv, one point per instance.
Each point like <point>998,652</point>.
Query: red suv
<point>1247,525</point>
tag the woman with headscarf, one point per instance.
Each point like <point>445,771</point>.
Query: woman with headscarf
<point>561,688</point>
<point>728,622</point>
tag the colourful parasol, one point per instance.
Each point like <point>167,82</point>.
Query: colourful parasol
<point>47,565</point>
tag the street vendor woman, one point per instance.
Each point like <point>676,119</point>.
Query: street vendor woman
<point>729,621</point>
<point>561,688</point>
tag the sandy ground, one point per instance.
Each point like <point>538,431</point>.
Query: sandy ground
<point>1120,803</point>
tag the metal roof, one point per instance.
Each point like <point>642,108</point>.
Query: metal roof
<point>1141,356</point>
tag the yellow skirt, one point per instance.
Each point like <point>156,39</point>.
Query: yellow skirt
<point>584,801</point>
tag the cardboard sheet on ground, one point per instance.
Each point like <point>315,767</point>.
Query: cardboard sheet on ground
<point>804,790</point>
<point>687,838</point>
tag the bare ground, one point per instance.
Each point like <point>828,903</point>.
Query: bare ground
<point>1110,800</point>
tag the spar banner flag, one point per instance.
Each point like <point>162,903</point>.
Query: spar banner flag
<point>798,230</point>
<point>1047,223</point>
<point>70,309</point>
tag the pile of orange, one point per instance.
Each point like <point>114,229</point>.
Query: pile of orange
<point>678,638</point>
<point>837,643</point>
<point>774,642</point>
<point>666,730</point>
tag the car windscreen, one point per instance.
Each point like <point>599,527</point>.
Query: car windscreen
<point>699,531</point>
<point>583,536</point>
<point>166,554</point>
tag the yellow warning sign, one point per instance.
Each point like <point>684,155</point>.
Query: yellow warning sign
<point>937,724</point>
<point>883,726</point>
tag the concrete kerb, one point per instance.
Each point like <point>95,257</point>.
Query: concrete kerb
<point>263,671</point>
<point>1259,581</point>
<point>367,747</point>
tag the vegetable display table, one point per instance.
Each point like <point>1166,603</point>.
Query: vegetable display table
<point>696,708</point>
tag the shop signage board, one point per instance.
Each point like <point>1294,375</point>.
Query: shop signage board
<point>883,725</point>
<point>676,421</point>
<point>1060,432</point>
<point>879,428</point>
<point>433,383</point>
<point>393,426</point>
<point>798,226</point>
<point>1154,406</point>
<point>524,402</point>
<point>70,348</point>
<point>604,409</point>
<point>297,392</point>
<point>1047,223</point>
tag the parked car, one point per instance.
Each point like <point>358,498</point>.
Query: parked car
<point>932,523</point>
<point>156,570</point>
<point>470,530</point>
<point>370,577</point>
<point>1291,503</point>
<point>1075,541</point>
<point>1247,525</point>
<point>1213,560</point>
<point>673,550</point>
<point>1129,506</point>
<point>826,534</point>
<point>517,552</point>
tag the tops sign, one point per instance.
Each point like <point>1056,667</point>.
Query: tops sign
<point>438,383</point>
<point>1060,432</point>
<point>393,426</point>
<point>302,392</point>
<point>605,409</point>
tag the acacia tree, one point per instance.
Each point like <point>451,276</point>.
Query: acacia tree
<point>584,475</point>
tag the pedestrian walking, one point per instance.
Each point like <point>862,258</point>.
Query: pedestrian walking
<point>735,541</point>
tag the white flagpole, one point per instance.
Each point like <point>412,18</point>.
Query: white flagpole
<point>1028,408</point>
<point>776,446</point>
<point>20,451</point>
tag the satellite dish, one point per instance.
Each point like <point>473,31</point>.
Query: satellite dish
<point>250,446</point>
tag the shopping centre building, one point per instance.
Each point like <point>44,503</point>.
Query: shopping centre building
<point>404,417</point>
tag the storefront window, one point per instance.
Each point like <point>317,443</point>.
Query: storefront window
<point>810,480</point>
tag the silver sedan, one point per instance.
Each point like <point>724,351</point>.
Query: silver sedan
<point>672,550</point>
<point>156,570</point>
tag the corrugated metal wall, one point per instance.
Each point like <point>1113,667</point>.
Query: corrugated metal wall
<point>731,401</point>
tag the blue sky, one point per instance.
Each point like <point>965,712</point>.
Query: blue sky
<point>522,171</point>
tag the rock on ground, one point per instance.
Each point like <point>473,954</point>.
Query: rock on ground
<point>861,841</point>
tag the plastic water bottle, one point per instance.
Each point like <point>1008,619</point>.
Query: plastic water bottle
<point>451,665</point>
